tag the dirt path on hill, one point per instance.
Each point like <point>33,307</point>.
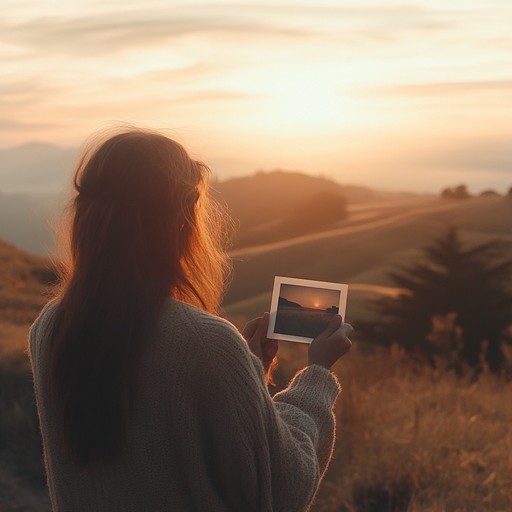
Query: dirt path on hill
<point>406,212</point>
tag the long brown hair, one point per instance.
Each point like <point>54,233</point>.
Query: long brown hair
<point>141,227</point>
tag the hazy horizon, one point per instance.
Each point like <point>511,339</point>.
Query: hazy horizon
<point>413,96</point>
<point>310,296</point>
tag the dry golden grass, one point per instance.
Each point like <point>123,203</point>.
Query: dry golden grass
<point>23,285</point>
<point>414,438</point>
<point>23,292</point>
<point>21,468</point>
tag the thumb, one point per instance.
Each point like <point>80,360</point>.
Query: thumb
<point>261,330</point>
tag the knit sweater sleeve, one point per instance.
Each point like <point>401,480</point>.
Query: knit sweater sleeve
<point>268,454</point>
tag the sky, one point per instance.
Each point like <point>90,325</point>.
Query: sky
<point>309,297</point>
<point>404,95</point>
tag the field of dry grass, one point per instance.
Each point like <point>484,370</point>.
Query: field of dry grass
<point>420,439</point>
<point>23,279</point>
<point>414,438</point>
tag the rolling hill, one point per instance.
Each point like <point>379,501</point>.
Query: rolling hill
<point>360,255</point>
<point>270,206</point>
<point>266,196</point>
<point>267,206</point>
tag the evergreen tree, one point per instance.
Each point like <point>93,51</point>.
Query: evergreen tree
<point>458,192</point>
<point>457,302</point>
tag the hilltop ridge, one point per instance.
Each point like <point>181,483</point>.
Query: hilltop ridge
<point>262,196</point>
<point>264,205</point>
<point>275,205</point>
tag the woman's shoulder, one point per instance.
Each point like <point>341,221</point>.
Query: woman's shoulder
<point>215,334</point>
<point>45,316</point>
<point>197,321</point>
<point>219,348</point>
<point>41,325</point>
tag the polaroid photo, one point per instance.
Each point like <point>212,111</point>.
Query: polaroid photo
<point>301,308</point>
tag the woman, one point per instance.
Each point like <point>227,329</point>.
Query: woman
<point>147,400</point>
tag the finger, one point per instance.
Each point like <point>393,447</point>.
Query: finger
<point>251,327</point>
<point>270,348</point>
<point>255,346</point>
<point>348,328</point>
<point>333,326</point>
<point>346,346</point>
<point>261,329</point>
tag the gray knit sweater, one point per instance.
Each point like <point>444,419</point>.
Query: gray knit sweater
<point>204,435</point>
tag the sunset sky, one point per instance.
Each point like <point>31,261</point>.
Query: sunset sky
<point>395,95</point>
<point>309,297</point>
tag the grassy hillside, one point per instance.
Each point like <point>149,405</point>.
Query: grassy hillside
<point>24,282</point>
<point>256,200</point>
<point>275,205</point>
<point>411,438</point>
<point>362,255</point>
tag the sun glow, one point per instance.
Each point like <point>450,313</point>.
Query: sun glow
<point>309,107</point>
<point>304,108</point>
<point>292,98</point>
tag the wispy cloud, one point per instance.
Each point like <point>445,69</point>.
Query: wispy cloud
<point>11,124</point>
<point>115,32</point>
<point>215,96</point>
<point>24,91</point>
<point>455,88</point>
<point>474,156</point>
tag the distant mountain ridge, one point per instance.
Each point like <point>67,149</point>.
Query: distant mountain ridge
<point>26,221</point>
<point>266,205</point>
<point>36,168</point>
<point>283,302</point>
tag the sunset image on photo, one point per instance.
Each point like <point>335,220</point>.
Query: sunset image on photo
<point>305,311</point>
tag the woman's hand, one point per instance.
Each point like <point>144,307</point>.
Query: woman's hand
<point>333,343</point>
<point>255,332</point>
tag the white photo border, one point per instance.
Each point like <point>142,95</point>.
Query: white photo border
<point>278,281</point>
